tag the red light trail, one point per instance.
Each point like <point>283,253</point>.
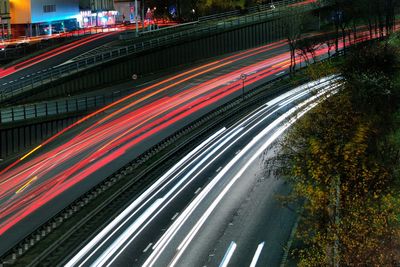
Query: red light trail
<point>52,53</point>
<point>25,186</point>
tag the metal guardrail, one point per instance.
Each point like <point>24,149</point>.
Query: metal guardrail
<point>73,105</point>
<point>219,15</point>
<point>29,82</point>
<point>45,42</point>
<point>252,9</point>
<point>58,107</point>
<point>224,15</point>
<point>131,35</point>
<point>169,29</point>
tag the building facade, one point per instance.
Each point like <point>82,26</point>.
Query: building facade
<point>97,13</point>
<point>126,10</point>
<point>97,5</point>
<point>5,21</point>
<point>36,17</point>
<point>102,5</point>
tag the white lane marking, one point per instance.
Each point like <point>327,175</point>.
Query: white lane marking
<point>173,217</point>
<point>228,255</point>
<point>220,168</point>
<point>147,248</point>
<point>230,136</point>
<point>185,243</point>
<point>113,252</point>
<point>172,172</point>
<point>257,255</point>
<point>280,73</point>
<point>93,244</point>
<point>162,243</point>
<point>198,190</point>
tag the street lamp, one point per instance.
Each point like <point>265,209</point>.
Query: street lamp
<point>136,18</point>
<point>243,77</point>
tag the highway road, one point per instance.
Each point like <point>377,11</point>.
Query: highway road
<point>56,56</point>
<point>191,211</point>
<point>55,173</point>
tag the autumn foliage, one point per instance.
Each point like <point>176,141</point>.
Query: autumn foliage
<point>342,159</point>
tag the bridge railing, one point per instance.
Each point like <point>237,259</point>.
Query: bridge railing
<point>58,107</point>
<point>78,104</point>
<point>40,78</point>
<point>219,15</point>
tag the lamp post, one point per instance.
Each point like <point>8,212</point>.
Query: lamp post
<point>136,18</point>
<point>243,77</point>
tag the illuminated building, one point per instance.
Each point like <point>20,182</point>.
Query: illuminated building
<point>96,13</point>
<point>126,10</point>
<point>5,27</point>
<point>35,17</point>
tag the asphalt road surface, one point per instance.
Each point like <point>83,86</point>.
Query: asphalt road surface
<point>214,197</point>
<point>56,56</point>
<point>48,178</point>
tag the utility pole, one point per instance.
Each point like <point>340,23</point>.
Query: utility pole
<point>142,3</point>
<point>136,18</point>
<point>178,6</point>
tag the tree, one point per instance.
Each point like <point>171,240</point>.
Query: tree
<point>343,160</point>
<point>294,25</point>
<point>345,189</point>
<point>309,46</point>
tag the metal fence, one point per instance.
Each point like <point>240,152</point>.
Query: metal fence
<point>219,16</point>
<point>209,18</point>
<point>79,104</point>
<point>252,9</point>
<point>58,107</point>
<point>57,38</point>
<point>29,82</point>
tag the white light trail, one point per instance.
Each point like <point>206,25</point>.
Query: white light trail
<point>204,155</point>
<point>193,205</point>
<point>106,231</point>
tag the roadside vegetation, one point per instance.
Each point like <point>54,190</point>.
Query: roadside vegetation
<point>343,161</point>
<point>342,23</point>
